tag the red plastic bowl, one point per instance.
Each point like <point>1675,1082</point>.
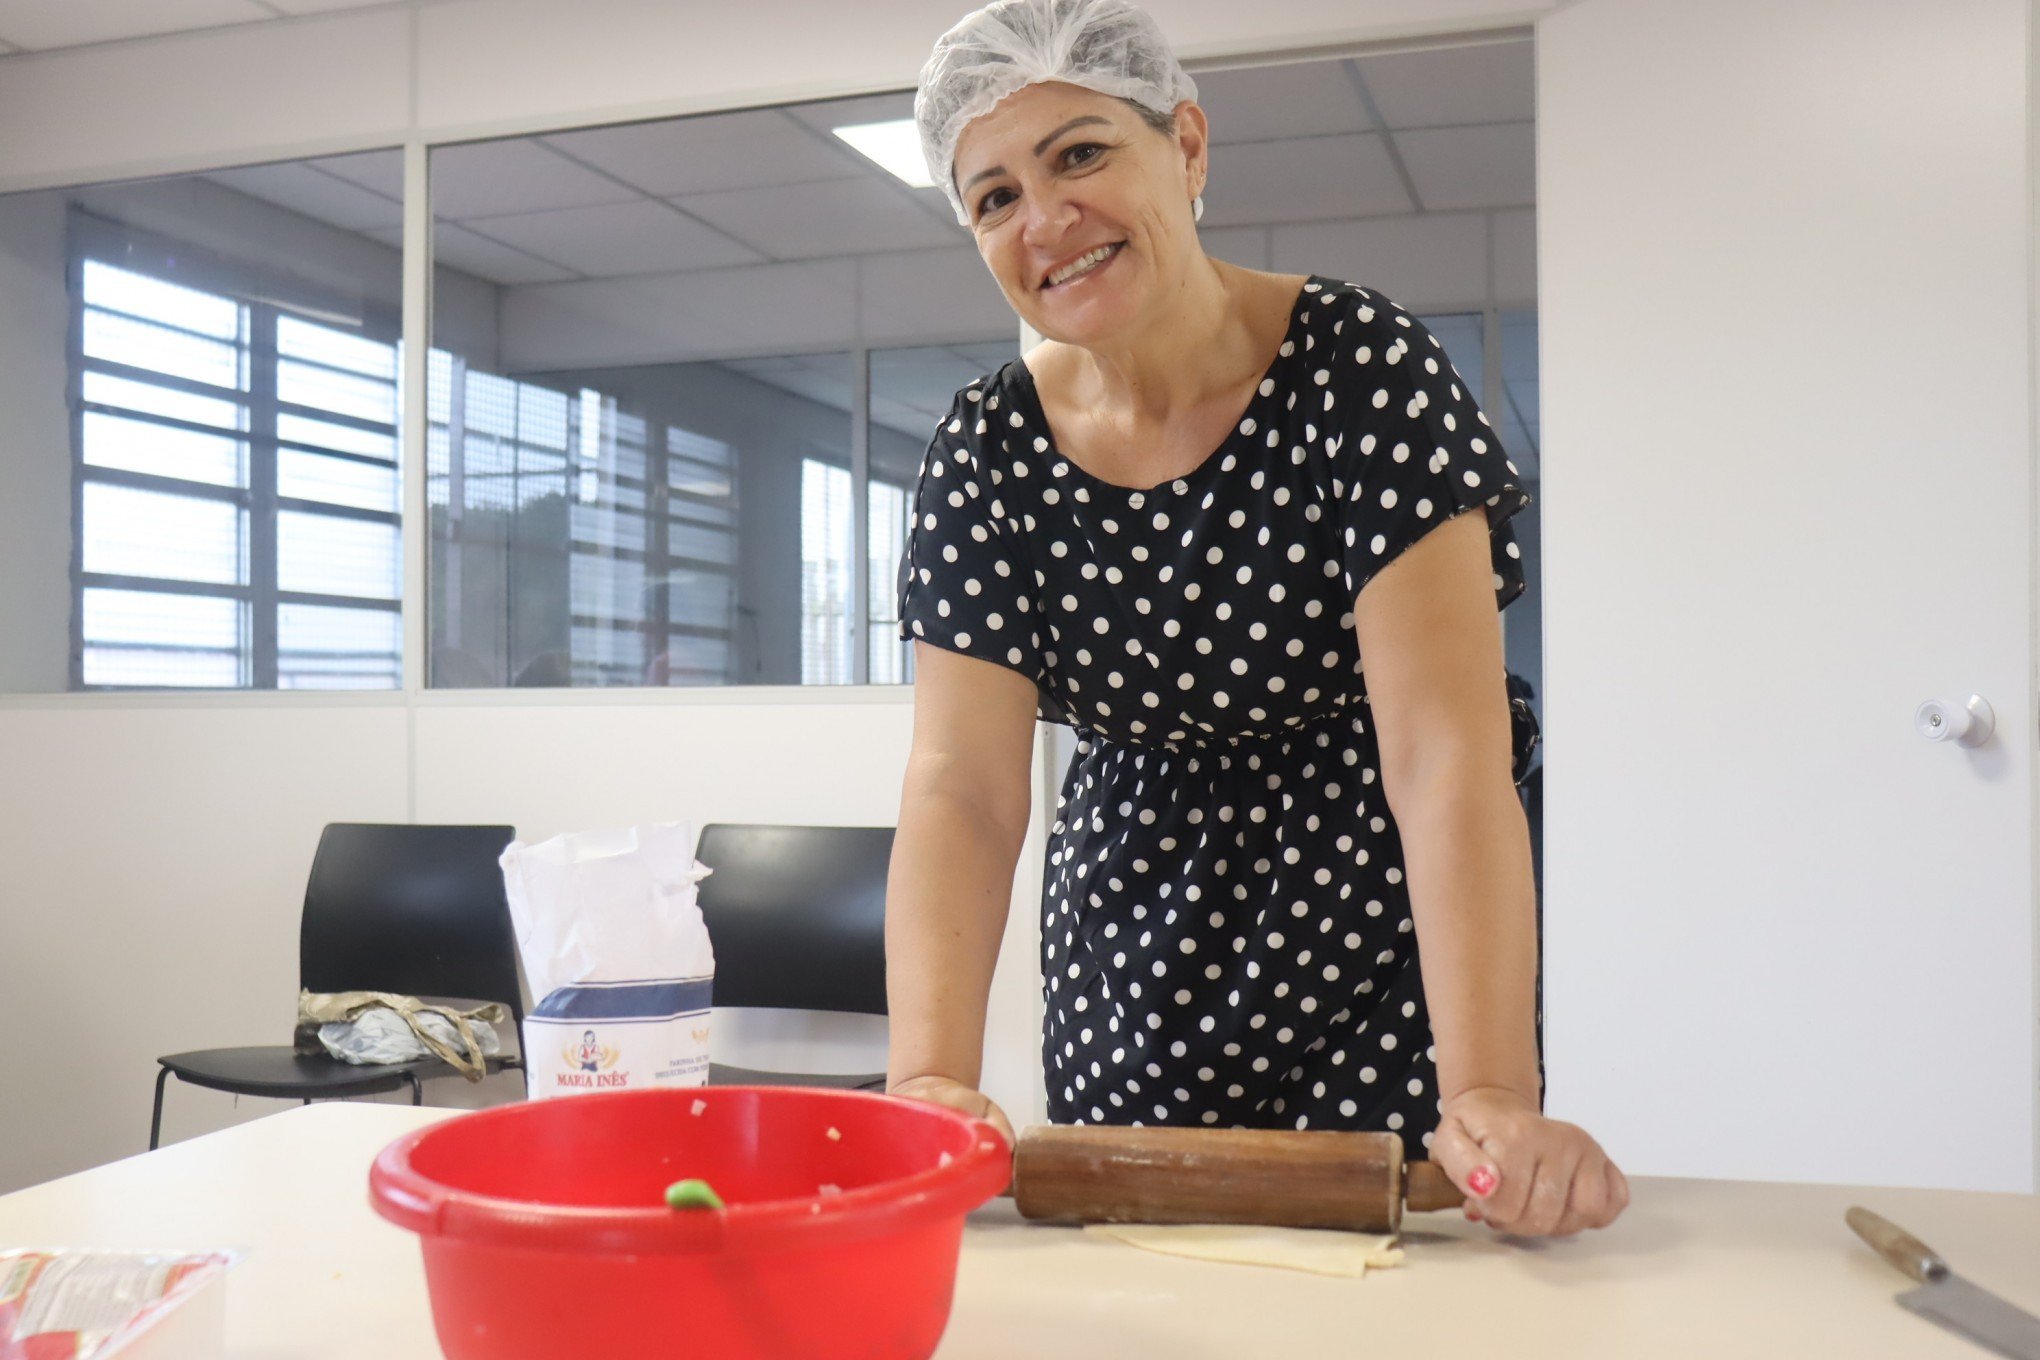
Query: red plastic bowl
<point>546,1234</point>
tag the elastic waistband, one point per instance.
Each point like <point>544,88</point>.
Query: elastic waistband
<point>1346,713</point>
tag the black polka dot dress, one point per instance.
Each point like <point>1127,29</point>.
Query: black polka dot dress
<point>1226,929</point>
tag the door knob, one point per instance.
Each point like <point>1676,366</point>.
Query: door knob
<point>1967,725</point>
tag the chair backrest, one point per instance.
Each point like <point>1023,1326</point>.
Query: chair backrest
<point>413,909</point>
<point>797,915</point>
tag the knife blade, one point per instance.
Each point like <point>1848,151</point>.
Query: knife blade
<point>1945,1298</point>
<point>1978,1314</point>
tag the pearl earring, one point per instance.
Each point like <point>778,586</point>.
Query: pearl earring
<point>1197,208</point>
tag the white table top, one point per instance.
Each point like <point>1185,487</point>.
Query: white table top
<point>1694,1268</point>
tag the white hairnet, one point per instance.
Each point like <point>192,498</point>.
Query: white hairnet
<point>1111,46</point>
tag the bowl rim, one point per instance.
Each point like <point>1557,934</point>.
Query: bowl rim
<point>405,1196</point>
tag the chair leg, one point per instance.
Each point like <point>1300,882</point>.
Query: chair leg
<point>417,1091</point>
<point>156,1117</point>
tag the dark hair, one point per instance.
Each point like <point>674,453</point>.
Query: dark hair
<point>1164,123</point>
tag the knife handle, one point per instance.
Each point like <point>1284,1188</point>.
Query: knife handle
<point>1897,1246</point>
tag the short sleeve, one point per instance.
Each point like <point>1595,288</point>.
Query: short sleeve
<point>962,582</point>
<point>1414,449</point>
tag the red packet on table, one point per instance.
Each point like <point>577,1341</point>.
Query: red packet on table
<point>69,1304</point>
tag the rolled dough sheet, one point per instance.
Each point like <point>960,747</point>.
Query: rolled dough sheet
<point>1318,1250</point>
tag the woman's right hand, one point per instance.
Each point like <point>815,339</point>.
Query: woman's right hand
<point>956,1096</point>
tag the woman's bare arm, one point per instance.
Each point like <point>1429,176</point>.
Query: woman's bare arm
<point>963,815</point>
<point>1431,644</point>
<point>1433,653</point>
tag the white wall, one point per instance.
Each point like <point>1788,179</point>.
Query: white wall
<point>153,854</point>
<point>1788,496</point>
<point>152,867</point>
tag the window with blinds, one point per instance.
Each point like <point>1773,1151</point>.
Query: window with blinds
<point>696,598</point>
<point>237,507</point>
<point>890,505</point>
<point>827,619</point>
<point>828,622</point>
<point>573,542</point>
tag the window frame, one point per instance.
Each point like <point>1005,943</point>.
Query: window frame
<point>91,237</point>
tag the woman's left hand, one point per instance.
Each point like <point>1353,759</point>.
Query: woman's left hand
<point>1545,1177</point>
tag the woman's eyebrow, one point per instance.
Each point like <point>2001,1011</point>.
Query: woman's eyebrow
<point>1041,145</point>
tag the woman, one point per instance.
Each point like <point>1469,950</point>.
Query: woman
<point>1178,525</point>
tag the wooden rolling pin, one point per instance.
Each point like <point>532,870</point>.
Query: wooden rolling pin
<point>1067,1173</point>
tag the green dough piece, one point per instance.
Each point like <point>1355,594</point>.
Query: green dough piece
<point>692,1194</point>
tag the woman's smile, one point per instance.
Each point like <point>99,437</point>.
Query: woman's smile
<point>1061,280</point>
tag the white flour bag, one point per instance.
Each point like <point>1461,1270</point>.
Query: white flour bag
<point>617,957</point>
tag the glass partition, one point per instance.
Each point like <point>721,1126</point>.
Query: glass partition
<point>680,379</point>
<point>911,389</point>
<point>201,441</point>
<point>683,373</point>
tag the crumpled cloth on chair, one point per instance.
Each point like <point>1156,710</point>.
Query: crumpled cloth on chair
<point>367,1028</point>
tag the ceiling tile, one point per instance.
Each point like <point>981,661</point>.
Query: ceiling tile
<point>830,114</point>
<point>1246,246</point>
<point>1491,166</point>
<point>1515,257</point>
<point>1459,333</point>
<point>474,254</point>
<point>303,189</point>
<point>912,419</point>
<point>1270,103</point>
<point>763,363</point>
<point>911,389</point>
<point>1519,446</point>
<point>833,217</point>
<point>990,355</point>
<point>458,248</point>
<point>382,171</point>
<point>320,6</point>
<point>492,179</point>
<point>912,297</point>
<point>747,150</point>
<point>824,381</point>
<point>1481,83</point>
<point>39,24</point>
<point>1301,181</point>
<point>1520,384</point>
<point>936,204</point>
<point>1425,262</point>
<point>642,237</point>
<point>928,376</point>
<point>1519,346</point>
<point>704,314</point>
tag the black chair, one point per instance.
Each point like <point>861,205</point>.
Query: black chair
<point>417,910</point>
<point>797,918</point>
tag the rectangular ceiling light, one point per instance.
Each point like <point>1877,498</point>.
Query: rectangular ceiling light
<point>895,145</point>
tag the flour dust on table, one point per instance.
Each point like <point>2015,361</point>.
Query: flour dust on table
<point>1227,937</point>
<point>1314,1250</point>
